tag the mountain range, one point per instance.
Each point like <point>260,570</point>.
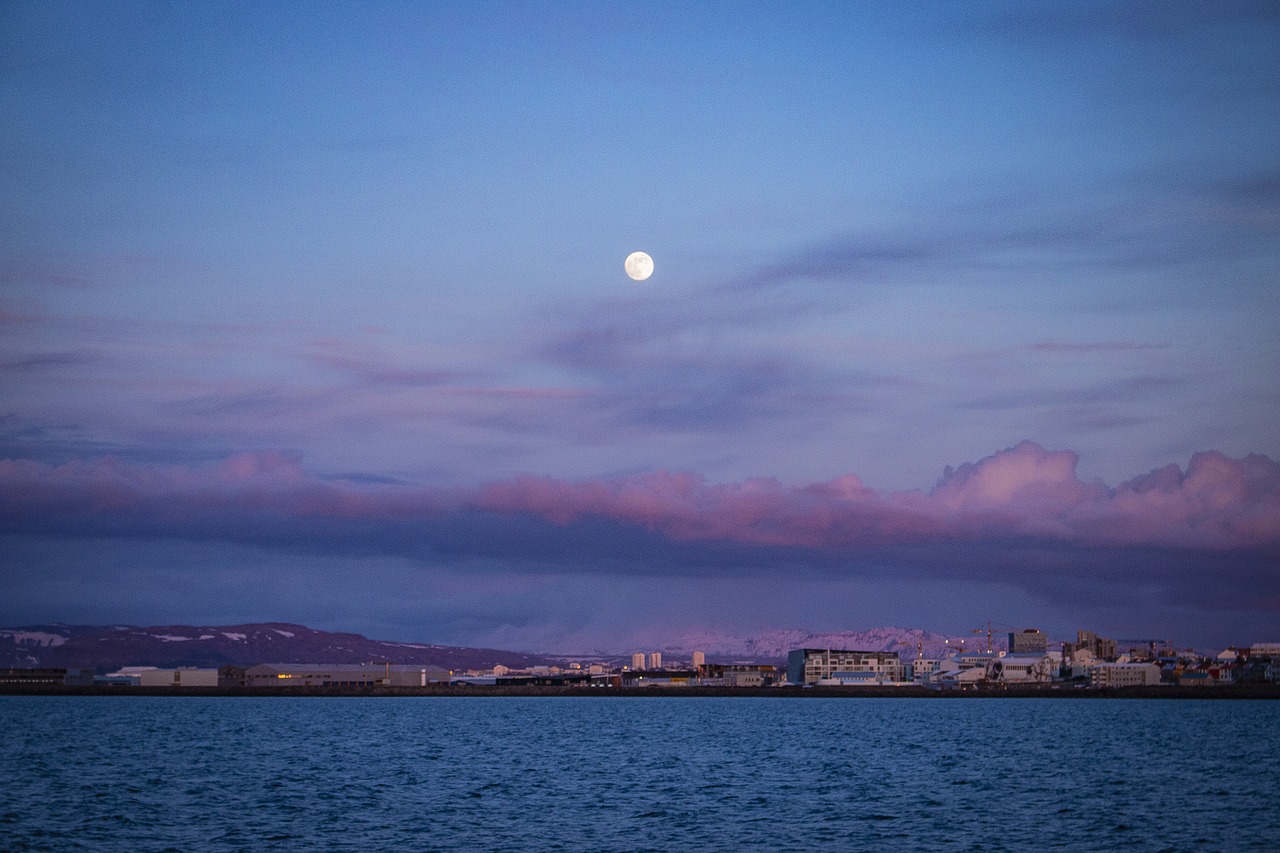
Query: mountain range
<point>106,648</point>
<point>773,645</point>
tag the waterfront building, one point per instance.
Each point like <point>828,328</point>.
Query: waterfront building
<point>655,660</point>
<point>962,669</point>
<point>957,679</point>
<point>920,669</point>
<point>1197,678</point>
<point>637,661</point>
<point>744,674</point>
<point>660,678</point>
<point>184,676</point>
<point>343,675</point>
<point>1023,668</point>
<point>812,666</point>
<point>47,677</point>
<point>1124,674</point>
<point>127,676</point>
<point>699,659</point>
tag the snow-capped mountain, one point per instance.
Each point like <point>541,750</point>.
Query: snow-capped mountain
<point>104,648</point>
<point>773,645</point>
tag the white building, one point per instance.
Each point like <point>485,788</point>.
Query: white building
<point>637,660</point>
<point>1028,668</point>
<point>958,678</point>
<point>699,659</point>
<point>1124,674</point>
<point>962,669</point>
<point>843,666</point>
<point>919,670</point>
<point>655,660</point>
<point>184,676</point>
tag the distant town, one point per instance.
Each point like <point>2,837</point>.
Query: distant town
<point>1024,658</point>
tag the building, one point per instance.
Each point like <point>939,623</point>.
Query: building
<point>655,660</point>
<point>637,660</point>
<point>699,659</point>
<point>1023,668</point>
<point>660,678</point>
<point>739,674</point>
<point>47,677</point>
<point>964,669</point>
<point>186,676</point>
<point>560,679</point>
<point>957,679</point>
<point>920,669</point>
<point>1124,674</point>
<point>843,666</point>
<point>1030,641</point>
<point>343,675</point>
<point>1100,647</point>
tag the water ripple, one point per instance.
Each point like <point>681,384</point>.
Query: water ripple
<point>141,774</point>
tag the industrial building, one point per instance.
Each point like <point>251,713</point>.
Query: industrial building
<point>343,675</point>
<point>185,676</point>
<point>47,677</point>
<point>659,678</point>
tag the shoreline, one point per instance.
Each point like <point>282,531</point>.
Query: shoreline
<point>1248,691</point>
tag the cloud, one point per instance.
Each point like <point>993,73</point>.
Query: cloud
<point>43,360</point>
<point>1099,346</point>
<point>1021,516</point>
<point>1115,391</point>
<point>371,368</point>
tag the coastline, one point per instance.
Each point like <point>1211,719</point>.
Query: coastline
<point>1246,691</point>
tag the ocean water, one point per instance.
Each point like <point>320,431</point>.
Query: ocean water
<point>650,773</point>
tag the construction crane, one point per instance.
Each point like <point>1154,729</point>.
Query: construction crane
<point>989,632</point>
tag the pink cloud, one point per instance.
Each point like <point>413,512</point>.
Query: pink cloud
<point>1023,493</point>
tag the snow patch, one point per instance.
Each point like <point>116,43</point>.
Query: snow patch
<point>37,638</point>
<point>206,637</point>
<point>170,638</point>
<point>283,633</point>
<point>232,635</point>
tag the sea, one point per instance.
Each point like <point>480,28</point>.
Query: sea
<point>660,773</point>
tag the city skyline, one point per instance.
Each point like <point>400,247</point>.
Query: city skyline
<point>957,314</point>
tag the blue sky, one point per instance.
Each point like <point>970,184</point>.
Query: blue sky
<point>383,243</point>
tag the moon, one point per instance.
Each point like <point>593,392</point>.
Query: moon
<point>639,266</point>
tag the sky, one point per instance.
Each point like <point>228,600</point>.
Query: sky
<point>961,313</point>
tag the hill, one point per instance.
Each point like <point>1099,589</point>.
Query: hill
<point>106,648</point>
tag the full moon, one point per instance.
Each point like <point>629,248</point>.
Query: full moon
<point>639,266</point>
